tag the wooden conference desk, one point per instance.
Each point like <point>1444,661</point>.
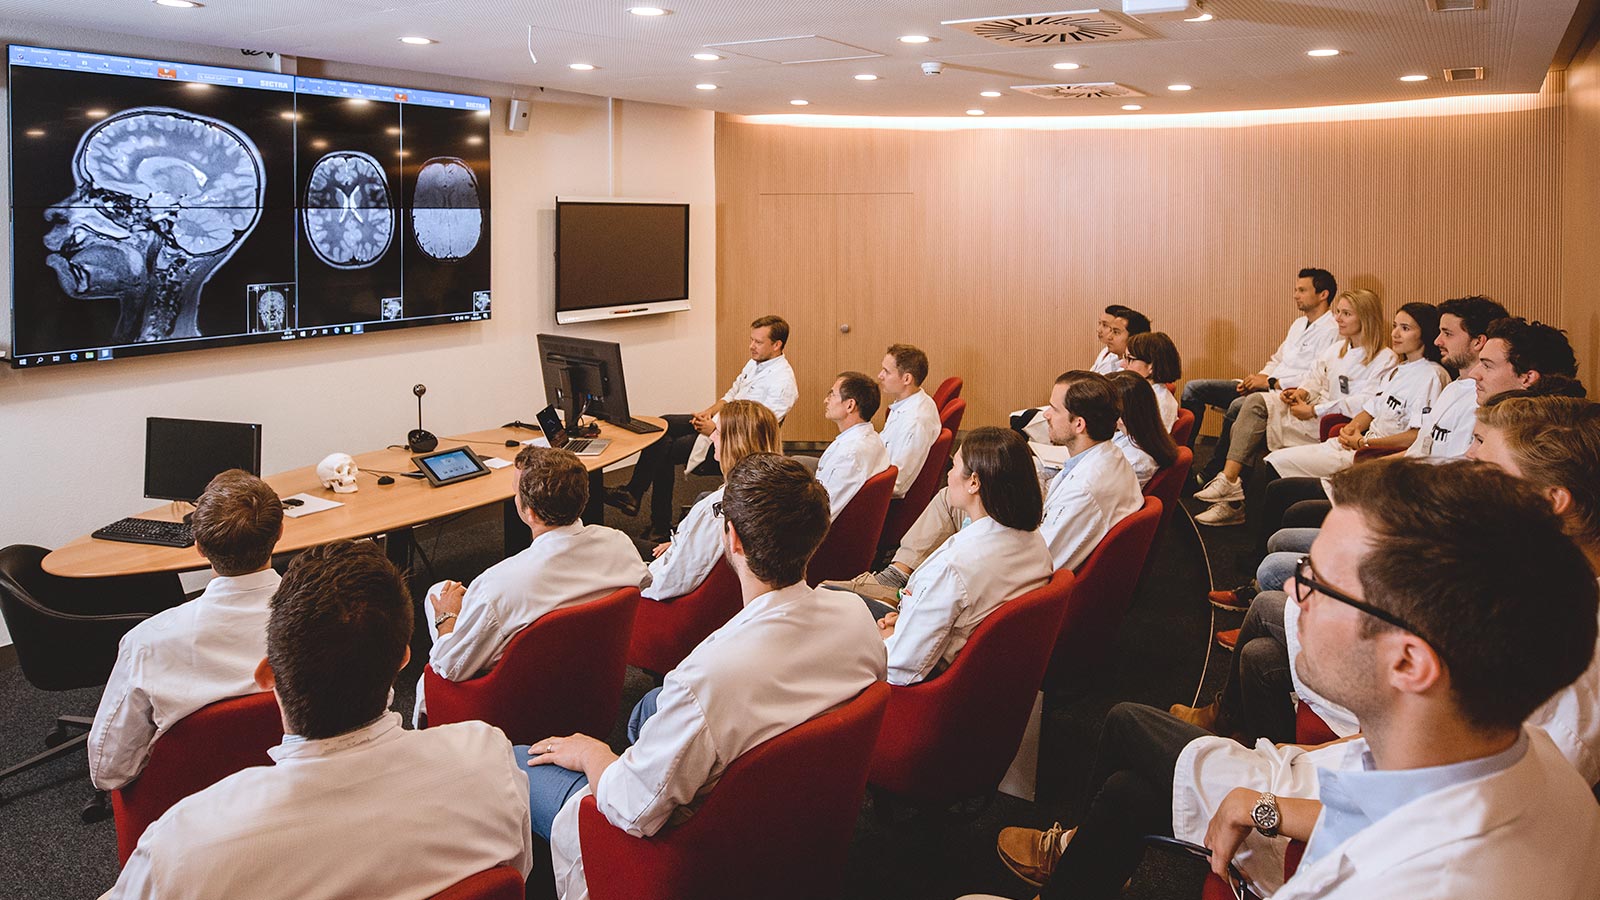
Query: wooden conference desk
<point>391,509</point>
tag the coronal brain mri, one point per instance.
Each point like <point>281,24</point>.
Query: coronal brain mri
<point>447,214</point>
<point>348,216</point>
<point>162,198</point>
<point>271,308</point>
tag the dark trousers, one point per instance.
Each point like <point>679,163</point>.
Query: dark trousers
<point>1255,699</point>
<point>1267,500</point>
<point>1222,393</point>
<point>656,469</point>
<point>1132,788</point>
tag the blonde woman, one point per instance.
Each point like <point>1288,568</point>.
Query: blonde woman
<point>741,428</point>
<point>1341,379</point>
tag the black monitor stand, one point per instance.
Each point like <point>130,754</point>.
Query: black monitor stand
<point>574,393</point>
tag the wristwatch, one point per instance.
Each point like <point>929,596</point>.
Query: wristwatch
<point>1265,815</point>
<point>443,619</point>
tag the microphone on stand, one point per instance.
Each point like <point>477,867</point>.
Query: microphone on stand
<point>420,441</point>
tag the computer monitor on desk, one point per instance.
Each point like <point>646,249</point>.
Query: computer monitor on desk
<point>584,377</point>
<point>181,456</point>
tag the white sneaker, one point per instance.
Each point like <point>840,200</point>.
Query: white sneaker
<point>1224,513</point>
<point>1221,490</point>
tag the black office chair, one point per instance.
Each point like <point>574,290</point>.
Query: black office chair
<point>65,631</point>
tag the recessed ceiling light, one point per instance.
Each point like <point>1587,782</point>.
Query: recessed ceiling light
<point>1180,87</point>
<point>648,10</point>
<point>988,93</point>
<point>866,76</point>
<point>706,57</point>
<point>1132,107</point>
<point>799,102</point>
<point>180,4</point>
<point>1325,51</point>
<point>34,132</point>
<point>705,87</point>
<point>1067,66</point>
<point>914,39</point>
<point>1413,78</point>
<point>974,112</point>
<point>1203,17</point>
<point>581,67</point>
<point>417,40</point>
<point>95,113</point>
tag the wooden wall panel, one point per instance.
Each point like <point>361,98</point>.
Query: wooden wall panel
<point>1010,241</point>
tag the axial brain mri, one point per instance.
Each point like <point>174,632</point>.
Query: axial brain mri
<point>349,218</point>
<point>447,217</point>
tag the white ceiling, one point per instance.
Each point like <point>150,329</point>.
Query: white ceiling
<point>1252,56</point>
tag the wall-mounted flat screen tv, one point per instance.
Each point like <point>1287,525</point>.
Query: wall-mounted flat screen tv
<point>160,206</point>
<point>620,258</point>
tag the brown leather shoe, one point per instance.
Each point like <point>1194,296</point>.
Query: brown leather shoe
<point>867,585</point>
<point>1032,854</point>
<point>1228,640</point>
<point>1232,601</point>
<point>1199,716</point>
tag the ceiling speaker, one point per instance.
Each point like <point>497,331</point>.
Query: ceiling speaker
<point>517,117</point>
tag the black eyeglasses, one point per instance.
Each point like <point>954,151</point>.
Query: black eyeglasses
<point>1305,581</point>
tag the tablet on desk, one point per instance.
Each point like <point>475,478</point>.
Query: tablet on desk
<point>444,467</point>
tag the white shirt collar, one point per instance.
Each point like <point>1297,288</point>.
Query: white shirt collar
<point>908,399</point>
<point>296,747</point>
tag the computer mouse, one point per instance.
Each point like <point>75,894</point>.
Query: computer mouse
<point>293,501</point>
<point>386,479</point>
<point>513,443</point>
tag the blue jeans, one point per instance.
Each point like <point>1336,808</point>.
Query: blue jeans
<point>550,787</point>
<point>1284,549</point>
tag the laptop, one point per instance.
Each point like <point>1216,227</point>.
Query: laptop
<point>550,424</point>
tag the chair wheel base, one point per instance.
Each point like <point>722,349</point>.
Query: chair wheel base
<point>57,736</point>
<point>97,809</point>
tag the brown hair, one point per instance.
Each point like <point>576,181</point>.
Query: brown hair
<point>552,484</point>
<point>863,390</point>
<point>780,512</point>
<point>780,328</point>
<point>746,427</point>
<point>237,521</point>
<point>1091,397</point>
<point>1141,418</point>
<point>910,360</point>
<point>1008,483</point>
<point>1476,560</point>
<point>337,636</point>
<point>1556,441</point>
<point>1157,349</point>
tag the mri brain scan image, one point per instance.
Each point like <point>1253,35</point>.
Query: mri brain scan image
<point>162,199</point>
<point>270,311</point>
<point>348,218</point>
<point>447,215</point>
<point>391,308</point>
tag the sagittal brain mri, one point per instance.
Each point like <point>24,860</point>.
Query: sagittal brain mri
<point>447,214</point>
<point>390,308</point>
<point>162,198</point>
<point>271,310</point>
<point>349,219</point>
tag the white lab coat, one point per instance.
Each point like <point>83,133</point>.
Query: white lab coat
<point>174,663</point>
<point>1336,384</point>
<point>1166,404</point>
<point>1085,500</point>
<point>770,383</point>
<point>1409,389</point>
<point>696,546</point>
<point>1293,359</point>
<point>1106,362</point>
<point>788,656</point>
<point>1445,430</point>
<point>909,432</point>
<point>1144,465</point>
<point>375,812</point>
<point>854,456</point>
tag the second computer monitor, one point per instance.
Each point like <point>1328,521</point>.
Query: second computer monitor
<point>583,377</point>
<point>181,456</point>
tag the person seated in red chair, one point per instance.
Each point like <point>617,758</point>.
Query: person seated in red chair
<point>568,563</point>
<point>1116,328</point>
<point>1427,585</point>
<point>791,654</point>
<point>1154,357</point>
<point>1144,440</point>
<point>912,424</point>
<point>680,565</point>
<point>997,556</point>
<point>857,453</point>
<point>1094,490</point>
<point>355,805</point>
<point>199,652</point>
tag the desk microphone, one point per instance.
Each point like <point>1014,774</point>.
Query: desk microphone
<point>420,441</point>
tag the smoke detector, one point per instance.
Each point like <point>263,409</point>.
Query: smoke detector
<point>1099,90</point>
<point>1074,28</point>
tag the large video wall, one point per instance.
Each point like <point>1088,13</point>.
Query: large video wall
<point>160,206</point>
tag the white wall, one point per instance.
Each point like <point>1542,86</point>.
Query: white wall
<point>72,437</point>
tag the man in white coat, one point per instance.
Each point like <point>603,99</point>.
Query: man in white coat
<point>792,653</point>
<point>354,805</point>
<point>913,421</point>
<point>857,453</point>
<point>1411,618</point>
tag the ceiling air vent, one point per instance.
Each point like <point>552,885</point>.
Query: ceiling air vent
<point>1089,91</point>
<point>1084,26</point>
<point>1456,5</point>
<point>1464,73</point>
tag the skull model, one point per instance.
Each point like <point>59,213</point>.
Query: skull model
<point>338,471</point>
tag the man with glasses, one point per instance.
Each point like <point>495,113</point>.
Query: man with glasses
<point>1441,604</point>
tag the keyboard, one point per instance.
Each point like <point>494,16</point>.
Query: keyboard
<point>578,445</point>
<point>148,531</point>
<point>637,426</point>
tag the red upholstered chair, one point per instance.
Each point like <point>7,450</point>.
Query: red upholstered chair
<point>951,413</point>
<point>665,631</point>
<point>778,824</point>
<point>198,751</point>
<point>903,511</point>
<point>952,737</point>
<point>1330,424</point>
<point>852,539</point>
<point>949,389</point>
<point>561,675</point>
<point>1183,428</point>
<point>1106,582</point>
<point>1166,484</point>
<point>1309,727</point>
<point>498,883</point>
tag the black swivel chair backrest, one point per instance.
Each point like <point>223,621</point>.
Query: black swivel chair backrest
<point>66,629</point>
